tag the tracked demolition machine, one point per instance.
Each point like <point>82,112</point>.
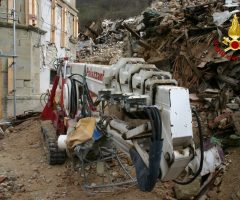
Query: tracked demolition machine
<point>130,105</point>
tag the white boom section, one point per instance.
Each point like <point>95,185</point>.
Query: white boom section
<point>146,84</point>
<point>99,75</point>
<point>95,74</point>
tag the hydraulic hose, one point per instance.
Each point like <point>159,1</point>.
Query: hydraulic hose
<point>87,92</point>
<point>201,151</point>
<point>148,176</point>
<point>73,101</point>
<point>85,97</point>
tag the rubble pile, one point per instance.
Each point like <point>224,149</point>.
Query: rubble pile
<point>191,40</point>
<point>102,43</point>
<point>8,186</point>
<point>197,41</point>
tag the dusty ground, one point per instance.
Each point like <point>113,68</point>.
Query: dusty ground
<point>230,187</point>
<point>22,159</point>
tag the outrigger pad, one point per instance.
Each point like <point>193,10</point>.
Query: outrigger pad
<point>147,177</point>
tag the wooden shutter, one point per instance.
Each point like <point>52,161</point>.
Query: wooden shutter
<point>53,21</point>
<point>10,76</point>
<point>32,12</point>
<point>63,28</point>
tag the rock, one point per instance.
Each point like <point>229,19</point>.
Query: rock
<point>233,106</point>
<point>187,191</point>
<point>234,197</point>
<point>93,184</point>
<point>236,122</point>
<point>7,132</point>
<point>4,185</point>
<point>204,197</point>
<point>212,194</point>
<point>10,129</point>
<point>48,181</point>
<point>140,27</point>
<point>1,133</point>
<point>19,157</point>
<point>12,178</point>
<point>2,196</point>
<point>7,195</point>
<point>1,147</point>
<point>2,178</point>
<point>34,176</point>
<point>218,181</point>
<point>76,183</point>
<point>36,169</point>
<point>238,194</point>
<point>36,146</point>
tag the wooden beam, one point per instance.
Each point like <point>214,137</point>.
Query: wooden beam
<point>34,13</point>
<point>9,7</point>
<point>53,21</point>
<point>76,31</point>
<point>1,90</point>
<point>63,28</point>
<point>26,12</point>
<point>10,76</point>
<point>30,12</point>
<point>75,26</point>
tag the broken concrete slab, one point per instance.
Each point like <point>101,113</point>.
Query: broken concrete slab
<point>184,192</point>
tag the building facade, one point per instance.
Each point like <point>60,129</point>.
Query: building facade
<point>45,30</point>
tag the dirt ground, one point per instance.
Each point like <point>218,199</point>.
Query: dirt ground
<point>22,159</point>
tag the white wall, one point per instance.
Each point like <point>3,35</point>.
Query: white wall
<point>52,51</point>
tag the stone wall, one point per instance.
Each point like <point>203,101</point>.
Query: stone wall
<point>36,53</point>
<point>27,69</point>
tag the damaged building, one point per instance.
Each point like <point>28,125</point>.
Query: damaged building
<point>45,30</point>
<point>148,109</point>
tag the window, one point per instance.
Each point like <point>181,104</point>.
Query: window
<point>53,73</point>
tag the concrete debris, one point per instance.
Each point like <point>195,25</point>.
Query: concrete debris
<point>189,39</point>
<point>1,133</point>
<point>102,43</point>
<point>177,36</point>
<point>187,191</point>
<point>8,186</point>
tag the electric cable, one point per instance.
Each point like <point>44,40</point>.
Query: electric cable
<point>73,102</point>
<point>201,151</point>
<point>44,98</point>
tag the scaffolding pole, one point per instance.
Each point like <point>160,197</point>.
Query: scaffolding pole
<point>14,58</point>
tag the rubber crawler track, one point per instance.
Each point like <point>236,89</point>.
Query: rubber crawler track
<point>54,155</point>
